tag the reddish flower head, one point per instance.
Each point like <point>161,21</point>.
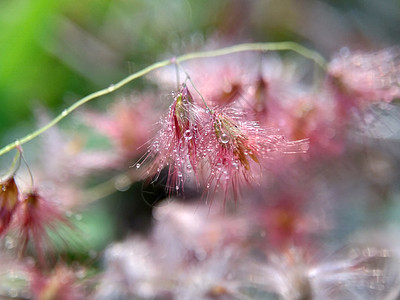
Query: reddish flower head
<point>8,203</point>
<point>176,144</point>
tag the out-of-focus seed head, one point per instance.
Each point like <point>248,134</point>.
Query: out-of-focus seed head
<point>8,202</point>
<point>35,217</point>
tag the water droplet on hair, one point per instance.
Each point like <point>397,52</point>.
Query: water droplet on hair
<point>3,188</point>
<point>122,183</point>
<point>188,135</point>
<point>9,242</point>
<point>224,138</point>
<point>137,166</point>
<point>189,168</point>
<point>235,164</point>
<point>64,112</point>
<point>177,187</point>
<point>180,174</point>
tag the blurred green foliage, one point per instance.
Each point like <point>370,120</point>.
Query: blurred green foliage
<point>53,52</point>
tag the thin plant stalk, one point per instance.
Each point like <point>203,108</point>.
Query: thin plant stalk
<point>279,46</point>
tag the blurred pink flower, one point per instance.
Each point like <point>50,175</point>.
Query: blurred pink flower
<point>202,247</point>
<point>127,124</point>
<point>60,284</point>
<point>300,113</point>
<point>359,78</point>
<point>222,80</point>
<point>63,162</point>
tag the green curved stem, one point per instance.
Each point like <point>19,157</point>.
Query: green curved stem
<point>279,46</point>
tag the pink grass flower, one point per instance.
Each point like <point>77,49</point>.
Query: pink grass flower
<point>233,146</point>
<point>8,203</point>
<point>35,218</point>
<point>177,142</point>
<point>127,125</point>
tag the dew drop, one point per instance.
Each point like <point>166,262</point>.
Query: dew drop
<point>189,168</point>
<point>235,164</point>
<point>137,166</point>
<point>110,88</point>
<point>180,174</point>
<point>3,188</point>
<point>188,135</point>
<point>177,187</point>
<point>64,112</point>
<point>224,138</point>
<point>122,183</point>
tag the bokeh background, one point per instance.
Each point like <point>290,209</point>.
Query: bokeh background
<point>54,52</point>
